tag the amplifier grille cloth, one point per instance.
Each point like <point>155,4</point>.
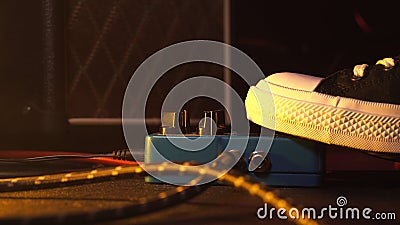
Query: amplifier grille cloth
<point>108,39</point>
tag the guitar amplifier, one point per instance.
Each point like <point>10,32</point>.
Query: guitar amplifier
<point>65,64</point>
<point>106,41</point>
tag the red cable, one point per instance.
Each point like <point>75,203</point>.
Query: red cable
<point>20,154</point>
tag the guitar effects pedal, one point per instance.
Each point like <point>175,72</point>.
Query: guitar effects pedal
<point>290,161</point>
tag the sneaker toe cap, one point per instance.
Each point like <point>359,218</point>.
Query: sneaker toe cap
<point>293,81</point>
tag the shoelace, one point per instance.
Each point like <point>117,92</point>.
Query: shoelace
<point>359,70</point>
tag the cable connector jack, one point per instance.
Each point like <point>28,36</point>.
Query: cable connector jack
<point>123,154</point>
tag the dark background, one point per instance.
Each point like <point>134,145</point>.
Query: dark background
<point>314,37</point>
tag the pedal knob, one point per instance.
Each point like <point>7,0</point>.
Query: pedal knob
<point>184,121</point>
<point>169,123</point>
<point>259,162</point>
<point>213,122</point>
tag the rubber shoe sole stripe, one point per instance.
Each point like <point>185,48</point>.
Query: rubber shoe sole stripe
<point>324,123</point>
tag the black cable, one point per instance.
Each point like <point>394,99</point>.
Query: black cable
<point>121,154</point>
<point>52,157</point>
<point>140,207</point>
<point>145,205</point>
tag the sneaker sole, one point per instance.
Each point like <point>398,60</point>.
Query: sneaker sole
<point>329,119</point>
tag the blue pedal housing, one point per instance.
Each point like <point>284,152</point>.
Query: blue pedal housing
<point>293,161</point>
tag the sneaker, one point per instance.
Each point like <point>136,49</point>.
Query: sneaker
<point>357,108</point>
